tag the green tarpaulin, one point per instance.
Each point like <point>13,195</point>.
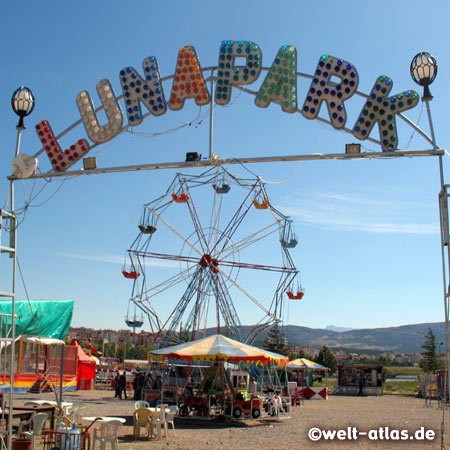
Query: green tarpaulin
<point>45,318</point>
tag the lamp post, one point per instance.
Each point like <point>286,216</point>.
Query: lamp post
<point>423,71</point>
<point>22,103</point>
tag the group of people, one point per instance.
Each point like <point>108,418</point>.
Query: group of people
<point>120,382</point>
<point>121,385</point>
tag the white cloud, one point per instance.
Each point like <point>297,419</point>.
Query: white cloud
<point>356,212</point>
<point>113,259</point>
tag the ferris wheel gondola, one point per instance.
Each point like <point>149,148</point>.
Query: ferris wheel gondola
<point>209,289</point>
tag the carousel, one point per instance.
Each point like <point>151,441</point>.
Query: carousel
<point>225,388</point>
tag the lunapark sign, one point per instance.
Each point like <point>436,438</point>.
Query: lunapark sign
<point>335,80</point>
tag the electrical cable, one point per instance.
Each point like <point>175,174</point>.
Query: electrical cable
<point>268,181</point>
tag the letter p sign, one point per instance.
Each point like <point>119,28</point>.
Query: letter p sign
<point>230,74</point>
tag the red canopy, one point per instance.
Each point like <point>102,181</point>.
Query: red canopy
<point>85,365</point>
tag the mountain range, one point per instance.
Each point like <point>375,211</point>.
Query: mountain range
<point>401,339</point>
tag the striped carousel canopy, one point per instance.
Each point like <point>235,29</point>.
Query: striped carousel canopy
<point>303,363</point>
<point>219,348</point>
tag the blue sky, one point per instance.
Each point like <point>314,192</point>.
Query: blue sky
<point>369,251</point>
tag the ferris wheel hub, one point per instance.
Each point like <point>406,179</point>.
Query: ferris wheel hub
<point>208,260</point>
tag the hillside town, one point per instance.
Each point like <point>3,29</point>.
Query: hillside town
<point>145,338</point>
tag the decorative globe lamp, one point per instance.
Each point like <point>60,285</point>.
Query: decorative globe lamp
<point>423,71</point>
<point>22,103</point>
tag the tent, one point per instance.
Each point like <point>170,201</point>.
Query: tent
<point>303,363</point>
<point>44,318</point>
<point>219,348</point>
<point>86,366</point>
<point>40,327</point>
<point>309,392</point>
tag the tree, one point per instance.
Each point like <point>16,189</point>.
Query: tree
<point>327,359</point>
<point>429,363</point>
<point>275,341</point>
<point>298,355</point>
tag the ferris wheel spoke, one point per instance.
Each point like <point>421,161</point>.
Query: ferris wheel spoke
<point>249,240</point>
<point>193,320</point>
<point>234,223</point>
<point>253,299</point>
<point>167,284</point>
<point>177,314</point>
<point>215,220</point>
<point>177,233</point>
<point>169,257</point>
<point>243,265</point>
<point>226,305</point>
<point>195,218</point>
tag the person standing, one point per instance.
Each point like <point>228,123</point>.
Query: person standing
<point>361,383</point>
<point>116,385</point>
<point>135,386</point>
<point>123,385</point>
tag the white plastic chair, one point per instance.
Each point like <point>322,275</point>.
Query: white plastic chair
<point>37,422</point>
<point>171,412</point>
<point>107,432</point>
<point>141,404</point>
<point>160,420</point>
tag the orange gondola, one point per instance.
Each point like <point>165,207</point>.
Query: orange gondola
<point>263,205</point>
<point>182,198</point>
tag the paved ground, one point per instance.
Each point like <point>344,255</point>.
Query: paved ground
<point>350,414</point>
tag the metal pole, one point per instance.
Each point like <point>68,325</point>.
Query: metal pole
<point>61,380</point>
<point>211,116</point>
<point>445,259</point>
<point>13,245</point>
<point>243,160</point>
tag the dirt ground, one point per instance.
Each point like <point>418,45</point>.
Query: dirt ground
<point>365,414</point>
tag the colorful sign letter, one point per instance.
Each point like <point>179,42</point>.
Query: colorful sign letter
<point>96,132</point>
<point>323,89</point>
<point>379,108</point>
<point>280,83</point>
<point>149,91</point>
<point>188,81</point>
<point>231,75</point>
<point>60,160</point>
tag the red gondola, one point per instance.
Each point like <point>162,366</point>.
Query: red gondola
<point>296,296</point>
<point>132,275</point>
<point>182,198</point>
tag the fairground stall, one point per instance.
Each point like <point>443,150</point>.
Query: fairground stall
<point>42,361</point>
<point>216,395</point>
<point>106,371</point>
<point>360,380</point>
<point>302,373</point>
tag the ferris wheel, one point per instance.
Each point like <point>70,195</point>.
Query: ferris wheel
<point>204,258</point>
